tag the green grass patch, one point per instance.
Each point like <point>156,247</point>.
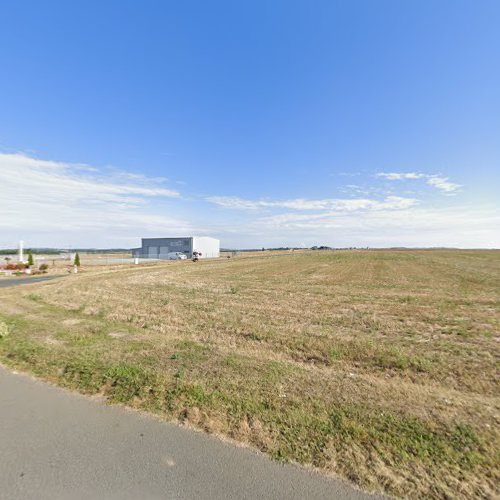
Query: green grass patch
<point>127,381</point>
<point>35,297</point>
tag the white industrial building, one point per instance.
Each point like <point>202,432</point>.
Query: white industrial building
<point>159,248</point>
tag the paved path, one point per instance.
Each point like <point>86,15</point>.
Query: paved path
<point>55,444</point>
<point>7,282</point>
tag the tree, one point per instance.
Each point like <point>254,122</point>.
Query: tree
<point>77,260</point>
<point>31,262</point>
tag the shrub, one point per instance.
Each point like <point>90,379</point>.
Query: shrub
<point>43,268</point>
<point>34,297</point>
<point>77,260</point>
<point>31,262</point>
<point>19,266</point>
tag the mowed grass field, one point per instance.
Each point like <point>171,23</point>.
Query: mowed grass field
<point>379,366</point>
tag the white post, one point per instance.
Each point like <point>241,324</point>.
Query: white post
<point>21,256</point>
<point>136,261</point>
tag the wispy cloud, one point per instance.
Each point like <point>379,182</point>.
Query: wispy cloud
<point>348,205</point>
<point>416,226</point>
<point>372,219</point>
<point>78,180</point>
<point>51,203</point>
<point>443,184</point>
<point>64,199</point>
<point>436,181</point>
<point>398,176</point>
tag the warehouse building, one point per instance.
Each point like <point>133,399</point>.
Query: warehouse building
<point>159,248</point>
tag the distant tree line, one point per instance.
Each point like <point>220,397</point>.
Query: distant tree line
<point>57,251</point>
<point>34,251</point>
<point>274,249</point>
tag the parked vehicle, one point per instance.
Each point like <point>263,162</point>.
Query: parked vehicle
<point>176,256</point>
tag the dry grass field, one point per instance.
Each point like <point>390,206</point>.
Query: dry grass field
<point>379,366</point>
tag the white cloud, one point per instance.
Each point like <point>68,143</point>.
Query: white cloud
<point>398,176</point>
<point>465,226</point>
<point>436,181</point>
<point>49,203</point>
<point>390,202</point>
<point>58,203</point>
<point>391,221</point>
<point>234,202</point>
<point>443,184</point>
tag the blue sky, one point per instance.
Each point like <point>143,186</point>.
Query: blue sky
<point>346,123</point>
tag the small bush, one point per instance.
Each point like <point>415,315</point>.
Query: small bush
<point>43,268</point>
<point>34,297</point>
<point>15,266</point>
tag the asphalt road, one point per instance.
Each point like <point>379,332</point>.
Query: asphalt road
<point>8,282</point>
<point>55,444</point>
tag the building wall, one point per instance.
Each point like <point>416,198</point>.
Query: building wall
<point>158,248</point>
<point>209,247</point>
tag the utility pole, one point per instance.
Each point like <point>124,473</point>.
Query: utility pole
<point>21,255</point>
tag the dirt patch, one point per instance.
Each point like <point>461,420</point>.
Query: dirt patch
<point>52,341</point>
<point>117,335</point>
<point>72,321</point>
